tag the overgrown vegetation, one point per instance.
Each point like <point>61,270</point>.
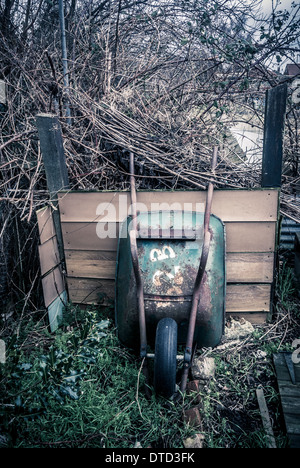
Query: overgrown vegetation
<point>166,80</point>
<point>81,388</point>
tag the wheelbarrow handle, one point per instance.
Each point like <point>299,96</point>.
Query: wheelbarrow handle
<point>199,277</point>
<point>135,263</point>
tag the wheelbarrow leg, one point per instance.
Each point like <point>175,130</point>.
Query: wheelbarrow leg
<point>199,279</point>
<point>138,275</point>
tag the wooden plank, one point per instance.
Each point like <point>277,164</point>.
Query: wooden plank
<point>83,236</point>
<point>250,237</point>
<point>256,318</point>
<point>87,291</point>
<point>53,285</point>
<point>292,422</point>
<point>240,298</point>
<point>240,237</point>
<point>290,405</point>
<point>265,416</point>
<point>283,373</point>
<point>242,268</point>
<point>55,311</point>
<point>49,255</point>
<point>52,149</point>
<point>250,267</point>
<point>276,100</point>
<point>290,397</point>
<point>91,264</point>
<point>294,441</point>
<point>45,224</point>
<point>248,298</point>
<point>2,92</point>
<point>229,205</point>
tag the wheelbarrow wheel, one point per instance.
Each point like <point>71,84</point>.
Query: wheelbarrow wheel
<point>165,357</point>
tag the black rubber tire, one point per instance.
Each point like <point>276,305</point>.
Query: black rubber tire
<point>165,357</point>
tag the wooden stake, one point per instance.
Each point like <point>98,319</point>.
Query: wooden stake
<point>265,417</point>
<point>55,165</point>
<point>276,99</point>
<point>2,92</point>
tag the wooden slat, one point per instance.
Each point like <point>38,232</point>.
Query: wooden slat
<point>91,264</point>
<point>49,256</point>
<point>45,224</point>
<point>250,267</point>
<point>284,375</point>
<point>83,236</point>
<point>250,237</point>
<point>242,268</point>
<point>248,298</point>
<point>240,237</point>
<point>256,318</point>
<point>290,398</point>
<point>240,298</point>
<point>86,291</point>
<point>53,285</point>
<point>55,311</point>
<point>229,205</point>
<point>93,206</point>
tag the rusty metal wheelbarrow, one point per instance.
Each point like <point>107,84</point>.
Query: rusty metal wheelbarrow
<point>170,285</point>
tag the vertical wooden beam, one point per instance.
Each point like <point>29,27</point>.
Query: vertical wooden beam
<point>53,152</point>
<point>3,258</point>
<point>270,439</point>
<point>55,165</point>
<point>2,92</point>
<point>276,99</point>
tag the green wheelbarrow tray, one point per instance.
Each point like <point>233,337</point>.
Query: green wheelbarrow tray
<point>169,247</point>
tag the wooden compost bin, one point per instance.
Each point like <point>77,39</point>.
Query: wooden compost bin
<point>250,219</point>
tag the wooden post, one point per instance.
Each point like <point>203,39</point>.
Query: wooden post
<point>2,92</point>
<point>276,99</point>
<point>55,165</point>
<point>271,442</point>
<point>3,255</point>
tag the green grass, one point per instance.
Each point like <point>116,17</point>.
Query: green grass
<point>83,390</point>
<point>80,388</point>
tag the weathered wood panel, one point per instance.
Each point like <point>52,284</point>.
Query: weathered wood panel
<point>248,298</point>
<point>240,237</point>
<point>55,310</point>
<point>45,224</point>
<point>91,264</point>
<point>250,237</point>
<point>87,291</point>
<point>229,205</point>
<point>53,285</point>
<point>250,219</point>
<point>275,109</point>
<point>49,255</point>
<point>53,281</point>
<point>250,267</point>
<point>256,318</point>
<point>239,298</point>
<point>290,398</point>
<point>241,267</point>
<point>2,92</point>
